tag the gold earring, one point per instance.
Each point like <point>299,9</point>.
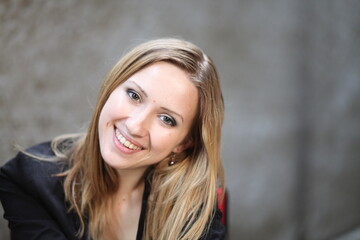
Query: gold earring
<point>172,159</point>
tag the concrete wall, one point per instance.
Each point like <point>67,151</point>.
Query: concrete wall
<point>290,76</point>
<point>331,119</point>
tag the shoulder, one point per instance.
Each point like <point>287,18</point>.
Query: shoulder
<point>216,229</point>
<point>33,197</point>
<point>29,161</point>
<point>29,172</point>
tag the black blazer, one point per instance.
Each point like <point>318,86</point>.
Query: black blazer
<point>34,200</point>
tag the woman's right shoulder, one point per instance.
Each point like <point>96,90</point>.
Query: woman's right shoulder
<point>40,150</point>
<point>36,164</point>
<point>33,155</point>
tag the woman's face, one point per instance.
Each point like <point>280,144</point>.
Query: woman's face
<point>148,117</point>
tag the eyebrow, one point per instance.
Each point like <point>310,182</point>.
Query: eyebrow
<point>175,113</point>
<point>142,90</point>
<point>164,108</point>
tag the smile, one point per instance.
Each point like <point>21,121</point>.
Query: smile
<point>125,142</point>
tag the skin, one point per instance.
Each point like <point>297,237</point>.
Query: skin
<point>151,113</point>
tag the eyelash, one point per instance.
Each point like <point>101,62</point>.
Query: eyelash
<point>133,95</point>
<point>166,119</point>
<point>169,121</point>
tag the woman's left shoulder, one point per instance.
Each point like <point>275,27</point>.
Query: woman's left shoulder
<point>217,229</point>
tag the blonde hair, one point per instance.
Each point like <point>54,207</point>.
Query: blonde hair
<point>184,193</point>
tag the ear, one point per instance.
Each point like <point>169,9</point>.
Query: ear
<point>183,146</point>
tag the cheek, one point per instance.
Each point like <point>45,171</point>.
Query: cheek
<point>165,140</point>
<point>112,109</point>
<point>103,119</point>
<point>101,128</point>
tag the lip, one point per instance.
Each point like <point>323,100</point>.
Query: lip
<point>123,148</point>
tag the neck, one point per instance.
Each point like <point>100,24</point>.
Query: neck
<point>125,206</point>
<point>130,181</point>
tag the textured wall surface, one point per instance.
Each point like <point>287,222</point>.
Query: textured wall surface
<point>290,77</point>
<point>332,50</point>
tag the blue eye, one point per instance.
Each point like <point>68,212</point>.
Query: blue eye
<point>133,95</point>
<point>168,120</point>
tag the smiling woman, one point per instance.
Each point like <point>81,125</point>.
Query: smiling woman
<point>147,117</point>
<point>147,168</point>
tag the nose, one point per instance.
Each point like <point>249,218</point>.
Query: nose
<point>137,123</point>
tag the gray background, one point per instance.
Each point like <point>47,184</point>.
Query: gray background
<point>290,72</point>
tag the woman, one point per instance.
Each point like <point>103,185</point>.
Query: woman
<point>147,168</point>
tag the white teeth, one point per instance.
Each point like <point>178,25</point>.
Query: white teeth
<point>125,142</point>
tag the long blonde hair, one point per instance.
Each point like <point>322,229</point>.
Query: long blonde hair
<point>183,196</point>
